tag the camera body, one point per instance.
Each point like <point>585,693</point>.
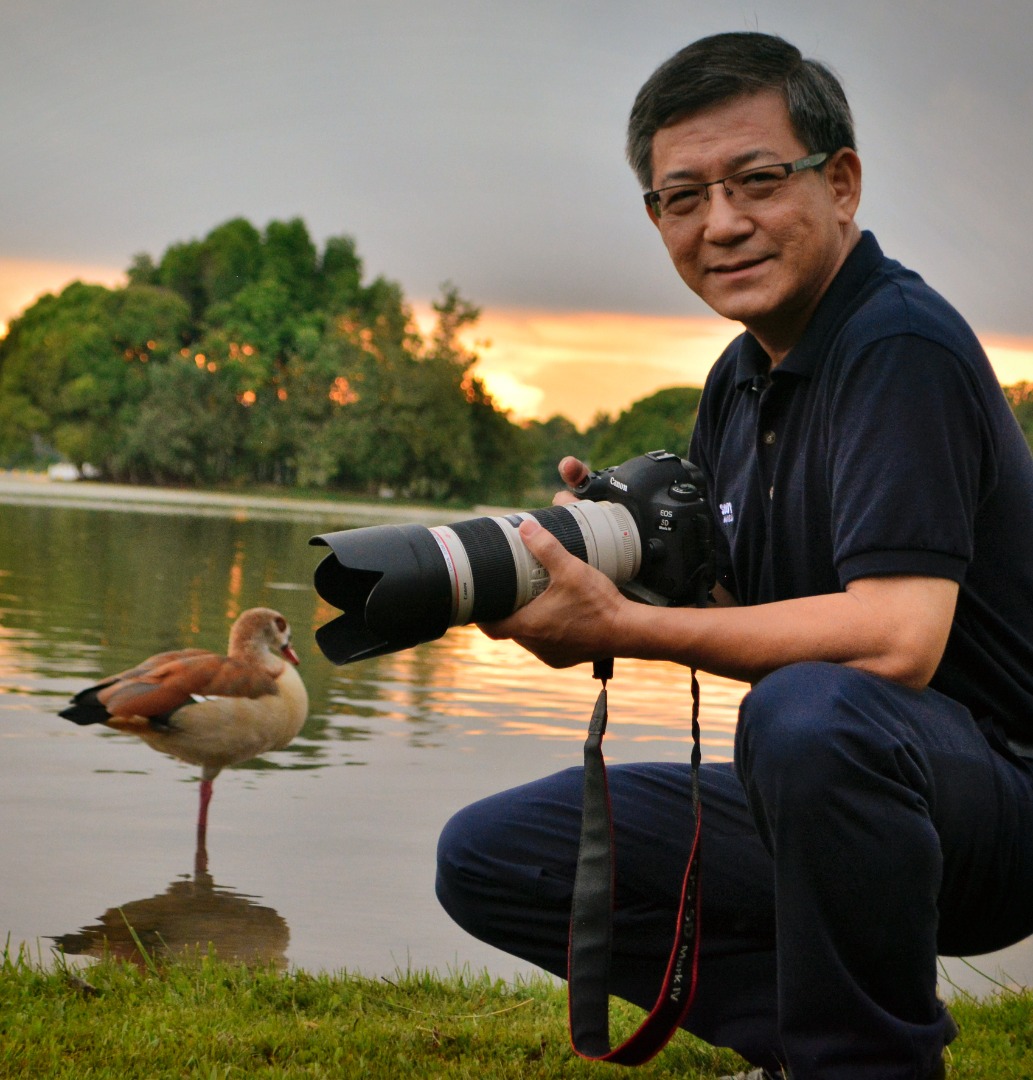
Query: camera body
<point>665,495</point>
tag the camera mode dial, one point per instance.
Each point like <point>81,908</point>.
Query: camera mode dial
<point>683,491</point>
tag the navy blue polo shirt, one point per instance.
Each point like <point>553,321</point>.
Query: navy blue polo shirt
<point>882,444</point>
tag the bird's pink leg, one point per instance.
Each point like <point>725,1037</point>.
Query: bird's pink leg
<point>201,855</point>
<point>202,813</point>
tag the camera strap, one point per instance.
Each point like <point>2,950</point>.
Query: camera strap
<point>591,920</point>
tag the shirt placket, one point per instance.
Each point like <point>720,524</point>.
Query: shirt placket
<point>768,437</point>
<point>769,430</point>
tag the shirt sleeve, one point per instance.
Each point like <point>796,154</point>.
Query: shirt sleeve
<point>910,456</point>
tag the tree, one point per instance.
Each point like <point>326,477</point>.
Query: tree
<point>662,421</point>
<point>454,313</point>
<point>181,269</point>
<point>470,448</point>
<point>62,362</point>
<point>503,458</point>
<point>21,426</point>
<point>340,275</point>
<point>187,431</point>
<point>1020,397</point>
<point>142,270</point>
<point>376,353</point>
<point>291,261</point>
<point>151,322</point>
<point>232,257</point>
<point>547,442</point>
<point>249,357</point>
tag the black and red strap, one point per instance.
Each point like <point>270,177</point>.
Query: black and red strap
<point>591,919</point>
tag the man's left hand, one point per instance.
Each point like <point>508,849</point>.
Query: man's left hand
<point>576,619</point>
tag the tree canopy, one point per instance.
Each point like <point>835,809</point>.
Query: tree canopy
<point>249,357</point>
<point>662,421</point>
<point>253,357</point>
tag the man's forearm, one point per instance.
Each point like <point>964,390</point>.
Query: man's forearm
<point>895,627</point>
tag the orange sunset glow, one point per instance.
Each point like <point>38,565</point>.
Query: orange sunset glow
<point>23,281</point>
<point>541,363</point>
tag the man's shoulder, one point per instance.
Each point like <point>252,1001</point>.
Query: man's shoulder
<point>899,302</point>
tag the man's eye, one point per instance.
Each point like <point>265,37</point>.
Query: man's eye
<point>760,178</point>
<point>680,200</point>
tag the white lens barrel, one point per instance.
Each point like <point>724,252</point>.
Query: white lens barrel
<point>460,572</point>
<point>614,546</point>
<point>611,543</point>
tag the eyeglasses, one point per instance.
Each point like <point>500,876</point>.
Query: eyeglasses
<point>750,185</point>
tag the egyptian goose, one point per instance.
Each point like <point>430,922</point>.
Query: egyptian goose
<point>207,709</point>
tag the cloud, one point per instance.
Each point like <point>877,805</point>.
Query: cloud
<point>580,363</point>
<point>588,362</point>
<point>482,143</point>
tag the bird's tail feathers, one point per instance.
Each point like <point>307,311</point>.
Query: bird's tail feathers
<point>85,708</point>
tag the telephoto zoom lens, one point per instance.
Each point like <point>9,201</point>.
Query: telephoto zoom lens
<point>399,585</point>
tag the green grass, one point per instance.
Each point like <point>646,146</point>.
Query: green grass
<point>209,1019</point>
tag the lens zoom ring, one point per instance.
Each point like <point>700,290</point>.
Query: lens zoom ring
<point>491,566</point>
<point>561,523</point>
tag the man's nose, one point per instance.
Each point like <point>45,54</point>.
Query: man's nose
<point>725,216</point>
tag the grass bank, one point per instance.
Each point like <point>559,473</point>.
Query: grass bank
<point>208,1019</point>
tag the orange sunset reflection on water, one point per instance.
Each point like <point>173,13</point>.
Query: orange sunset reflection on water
<point>481,689</point>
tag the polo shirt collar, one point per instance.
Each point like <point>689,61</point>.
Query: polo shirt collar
<point>840,298</point>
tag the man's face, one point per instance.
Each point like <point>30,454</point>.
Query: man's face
<point>765,264</point>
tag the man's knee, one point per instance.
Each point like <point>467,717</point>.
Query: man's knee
<point>462,869</point>
<point>790,707</point>
<point>509,853</point>
<point>806,719</point>
<point>505,869</point>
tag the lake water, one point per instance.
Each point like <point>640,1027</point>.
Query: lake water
<point>320,856</point>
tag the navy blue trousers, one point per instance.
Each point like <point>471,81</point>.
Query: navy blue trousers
<point>863,829</point>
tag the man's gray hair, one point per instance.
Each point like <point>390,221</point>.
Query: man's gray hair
<point>720,68</point>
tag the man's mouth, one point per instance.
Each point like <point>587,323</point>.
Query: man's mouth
<point>740,266</point>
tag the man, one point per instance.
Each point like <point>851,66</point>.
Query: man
<point>873,499</point>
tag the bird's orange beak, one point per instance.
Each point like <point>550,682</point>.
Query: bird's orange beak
<point>290,654</point>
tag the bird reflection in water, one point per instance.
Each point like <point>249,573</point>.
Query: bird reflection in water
<point>191,917</point>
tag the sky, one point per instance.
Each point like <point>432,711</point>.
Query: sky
<point>481,143</point>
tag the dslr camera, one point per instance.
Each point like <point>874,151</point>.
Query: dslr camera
<point>645,524</point>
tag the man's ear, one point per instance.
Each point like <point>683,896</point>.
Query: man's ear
<point>843,175</point>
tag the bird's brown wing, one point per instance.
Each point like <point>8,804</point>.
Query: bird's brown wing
<point>159,686</point>
<point>156,661</point>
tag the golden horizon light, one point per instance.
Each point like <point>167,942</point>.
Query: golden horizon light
<point>542,363</point>
<point>1011,357</point>
<point>24,281</point>
<point>536,363</point>
<point>539,364</point>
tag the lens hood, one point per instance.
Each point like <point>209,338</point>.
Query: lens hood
<point>392,585</point>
